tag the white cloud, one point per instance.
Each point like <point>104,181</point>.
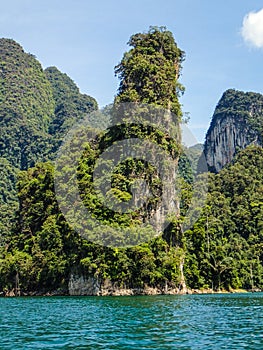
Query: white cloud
<point>252,29</point>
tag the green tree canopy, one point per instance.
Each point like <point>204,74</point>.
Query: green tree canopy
<point>149,72</point>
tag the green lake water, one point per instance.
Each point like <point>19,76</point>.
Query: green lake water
<point>219,321</point>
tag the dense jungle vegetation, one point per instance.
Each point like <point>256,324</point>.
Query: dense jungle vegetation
<point>39,249</point>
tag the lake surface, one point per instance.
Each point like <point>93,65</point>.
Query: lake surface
<point>225,321</point>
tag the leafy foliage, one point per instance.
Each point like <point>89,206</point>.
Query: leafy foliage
<point>149,72</point>
<point>26,107</point>
<point>70,105</point>
<point>24,88</point>
<point>27,112</point>
<point>224,247</point>
<point>43,249</point>
<point>8,199</point>
<point>43,239</point>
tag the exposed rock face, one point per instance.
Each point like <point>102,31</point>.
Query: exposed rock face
<point>92,286</point>
<point>237,122</point>
<point>80,285</point>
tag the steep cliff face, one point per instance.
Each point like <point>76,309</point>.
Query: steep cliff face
<point>237,122</point>
<point>93,286</point>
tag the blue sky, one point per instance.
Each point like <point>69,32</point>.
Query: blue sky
<point>86,39</point>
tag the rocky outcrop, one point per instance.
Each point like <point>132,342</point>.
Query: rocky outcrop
<point>237,122</point>
<point>80,285</point>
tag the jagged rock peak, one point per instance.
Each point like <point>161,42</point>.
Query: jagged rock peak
<point>236,123</point>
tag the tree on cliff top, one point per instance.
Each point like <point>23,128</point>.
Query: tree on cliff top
<point>149,72</point>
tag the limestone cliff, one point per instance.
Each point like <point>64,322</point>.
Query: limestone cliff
<point>237,122</point>
<point>93,286</point>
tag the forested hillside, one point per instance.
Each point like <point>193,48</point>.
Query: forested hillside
<point>37,107</point>
<point>32,102</point>
<point>225,245</point>
<point>27,106</point>
<point>40,251</point>
<point>70,105</point>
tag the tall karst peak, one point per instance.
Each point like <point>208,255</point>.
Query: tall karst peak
<point>236,123</point>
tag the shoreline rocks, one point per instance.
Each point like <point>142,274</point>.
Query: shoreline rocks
<point>80,285</point>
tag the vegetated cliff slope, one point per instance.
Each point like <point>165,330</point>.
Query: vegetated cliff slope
<point>43,250</point>
<point>37,108</point>
<point>70,104</point>
<point>237,122</point>
<point>26,106</point>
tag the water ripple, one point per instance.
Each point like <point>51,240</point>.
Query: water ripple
<point>147,322</point>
